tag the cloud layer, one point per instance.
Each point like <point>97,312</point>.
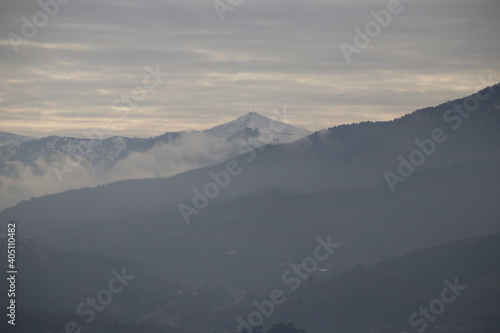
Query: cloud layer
<point>192,150</point>
<point>265,54</point>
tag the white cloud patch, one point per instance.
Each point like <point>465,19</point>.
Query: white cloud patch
<point>192,150</point>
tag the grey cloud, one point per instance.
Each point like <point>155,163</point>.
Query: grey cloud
<point>265,54</point>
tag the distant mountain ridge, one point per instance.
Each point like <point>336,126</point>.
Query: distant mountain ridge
<point>13,139</point>
<point>339,158</point>
<point>56,164</point>
<point>112,149</point>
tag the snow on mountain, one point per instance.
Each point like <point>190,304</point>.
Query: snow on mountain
<point>13,139</point>
<point>104,153</point>
<point>253,124</point>
<point>54,164</point>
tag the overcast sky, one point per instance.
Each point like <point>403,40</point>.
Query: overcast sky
<point>264,55</point>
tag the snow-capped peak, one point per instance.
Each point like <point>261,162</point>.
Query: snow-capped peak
<point>254,125</point>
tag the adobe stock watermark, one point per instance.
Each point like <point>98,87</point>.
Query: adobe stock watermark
<point>75,154</point>
<point>222,178</point>
<point>223,6</point>
<point>436,307</point>
<point>104,297</point>
<point>293,278</point>
<point>372,29</point>
<point>40,19</point>
<point>428,146</point>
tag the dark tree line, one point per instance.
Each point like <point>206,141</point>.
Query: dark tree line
<point>277,328</point>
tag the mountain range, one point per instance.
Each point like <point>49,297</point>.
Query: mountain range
<point>34,167</point>
<point>378,190</point>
